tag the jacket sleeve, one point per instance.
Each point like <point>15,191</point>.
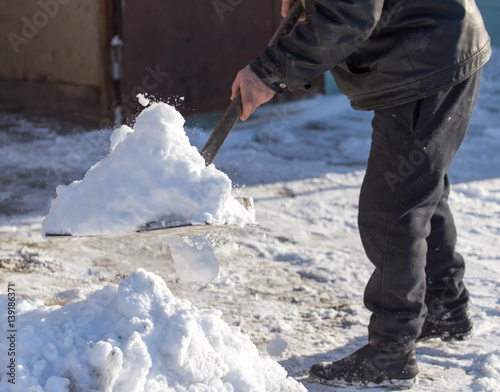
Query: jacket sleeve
<point>333,30</point>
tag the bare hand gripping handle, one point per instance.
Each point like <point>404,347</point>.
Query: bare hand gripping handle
<point>235,109</point>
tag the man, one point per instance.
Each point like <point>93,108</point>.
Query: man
<point>417,64</point>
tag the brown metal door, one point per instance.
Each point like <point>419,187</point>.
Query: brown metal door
<point>191,48</point>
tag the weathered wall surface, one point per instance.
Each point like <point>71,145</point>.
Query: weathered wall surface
<point>51,54</point>
<point>55,54</point>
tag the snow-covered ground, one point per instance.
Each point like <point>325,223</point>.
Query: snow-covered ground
<point>294,283</point>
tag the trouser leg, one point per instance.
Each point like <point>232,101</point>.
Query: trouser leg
<point>413,146</point>
<point>445,290</point>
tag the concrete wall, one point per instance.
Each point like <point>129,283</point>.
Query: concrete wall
<point>52,54</point>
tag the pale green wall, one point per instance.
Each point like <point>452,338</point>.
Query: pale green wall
<point>490,9</point>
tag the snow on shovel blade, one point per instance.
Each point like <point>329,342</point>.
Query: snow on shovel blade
<point>157,229</point>
<point>185,230</point>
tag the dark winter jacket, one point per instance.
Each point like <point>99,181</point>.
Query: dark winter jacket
<point>381,53</point>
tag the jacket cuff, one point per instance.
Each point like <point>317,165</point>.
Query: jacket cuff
<point>268,77</point>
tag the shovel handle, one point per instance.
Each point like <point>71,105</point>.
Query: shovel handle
<point>225,125</point>
<point>235,108</point>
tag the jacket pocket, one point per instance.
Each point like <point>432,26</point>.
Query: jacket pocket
<point>357,69</point>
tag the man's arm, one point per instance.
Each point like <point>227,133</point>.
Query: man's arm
<point>332,31</point>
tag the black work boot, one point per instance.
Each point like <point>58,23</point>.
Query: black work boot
<point>455,325</point>
<point>369,366</point>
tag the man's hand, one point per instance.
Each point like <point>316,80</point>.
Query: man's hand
<point>253,91</point>
<point>287,4</point>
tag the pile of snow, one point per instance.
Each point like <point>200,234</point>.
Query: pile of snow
<point>152,174</point>
<point>135,337</point>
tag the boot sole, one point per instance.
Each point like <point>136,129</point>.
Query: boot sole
<point>391,384</point>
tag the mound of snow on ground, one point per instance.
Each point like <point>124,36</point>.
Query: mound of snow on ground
<point>151,174</point>
<point>135,337</point>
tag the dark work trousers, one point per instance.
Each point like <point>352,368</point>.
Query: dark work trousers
<point>405,222</point>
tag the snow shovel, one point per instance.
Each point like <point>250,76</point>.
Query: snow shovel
<point>234,110</point>
<point>214,143</point>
